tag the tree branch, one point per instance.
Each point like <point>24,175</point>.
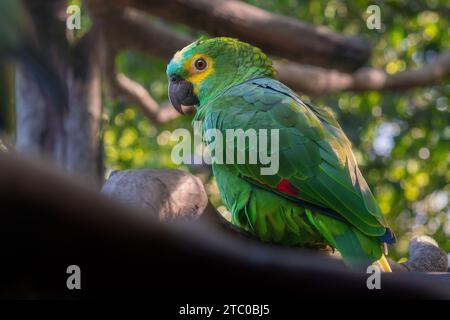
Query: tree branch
<point>148,189</point>
<point>319,81</point>
<point>130,29</point>
<point>66,223</point>
<point>278,35</point>
<point>124,88</point>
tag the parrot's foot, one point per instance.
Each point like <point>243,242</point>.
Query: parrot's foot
<point>383,264</point>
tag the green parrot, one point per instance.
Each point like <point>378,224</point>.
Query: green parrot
<point>318,195</point>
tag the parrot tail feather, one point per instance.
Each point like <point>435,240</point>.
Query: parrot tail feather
<point>357,249</point>
<point>383,264</point>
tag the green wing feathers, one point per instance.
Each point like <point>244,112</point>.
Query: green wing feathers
<point>317,167</point>
<point>356,248</point>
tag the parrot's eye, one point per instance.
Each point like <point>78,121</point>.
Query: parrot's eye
<point>200,64</point>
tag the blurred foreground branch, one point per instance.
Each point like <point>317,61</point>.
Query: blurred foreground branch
<point>125,251</point>
<point>148,188</point>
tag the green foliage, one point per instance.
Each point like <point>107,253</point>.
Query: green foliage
<point>130,140</point>
<point>401,139</point>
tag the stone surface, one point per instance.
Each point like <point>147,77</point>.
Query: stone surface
<point>426,256</point>
<point>165,193</point>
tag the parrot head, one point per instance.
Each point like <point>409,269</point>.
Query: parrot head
<point>206,67</point>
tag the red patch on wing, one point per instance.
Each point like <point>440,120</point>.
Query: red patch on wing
<point>286,187</point>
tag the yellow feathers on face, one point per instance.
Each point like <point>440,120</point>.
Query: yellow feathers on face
<point>196,76</point>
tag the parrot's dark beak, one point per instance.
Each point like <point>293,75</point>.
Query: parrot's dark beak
<point>181,92</point>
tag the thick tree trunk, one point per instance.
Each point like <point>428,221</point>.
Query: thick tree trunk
<point>82,124</point>
<point>39,129</point>
<point>67,131</point>
<point>6,100</point>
